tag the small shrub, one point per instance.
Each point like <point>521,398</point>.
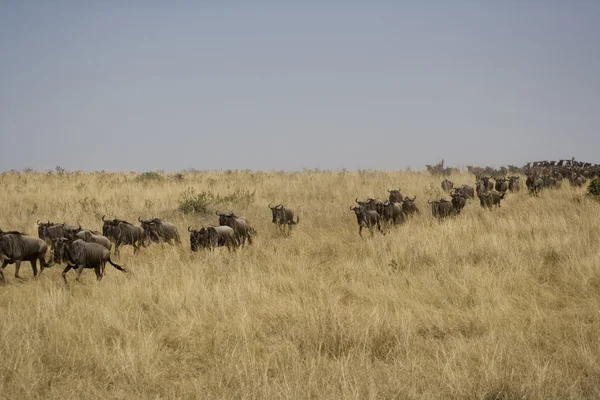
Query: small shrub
<point>203,202</point>
<point>594,187</point>
<point>148,177</point>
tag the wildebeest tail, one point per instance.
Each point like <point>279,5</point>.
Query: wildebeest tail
<point>117,266</point>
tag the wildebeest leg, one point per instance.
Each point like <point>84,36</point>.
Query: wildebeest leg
<point>17,267</point>
<point>34,267</point>
<point>79,271</point>
<point>2,269</point>
<point>360,228</point>
<point>136,248</point>
<point>64,273</point>
<point>117,245</point>
<point>249,238</point>
<point>99,270</point>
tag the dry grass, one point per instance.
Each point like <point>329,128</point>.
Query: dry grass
<point>490,305</point>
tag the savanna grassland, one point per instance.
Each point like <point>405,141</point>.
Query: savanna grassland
<point>500,304</point>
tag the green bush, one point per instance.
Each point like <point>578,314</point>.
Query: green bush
<point>594,187</point>
<point>207,202</point>
<point>148,176</point>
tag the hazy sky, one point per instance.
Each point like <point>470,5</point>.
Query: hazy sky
<point>142,85</point>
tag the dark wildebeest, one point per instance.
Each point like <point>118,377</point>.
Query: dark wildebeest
<point>514,185</point>
<point>467,190</point>
<point>240,227</point>
<point>87,236</point>
<point>79,254</point>
<point>395,195</point>
<point>501,185</point>
<point>441,208</point>
<point>447,185</point>
<point>283,217</point>
<point>392,213</point>
<point>366,219</point>
<point>487,183</point>
<point>409,207</point>
<point>158,231</point>
<point>459,200</point>
<point>535,184</point>
<point>49,231</point>
<point>491,198</point>
<point>212,236</point>
<point>16,247</point>
<point>123,233</point>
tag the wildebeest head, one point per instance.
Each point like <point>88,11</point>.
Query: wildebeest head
<point>60,249</point>
<point>150,227</point>
<point>70,232</point>
<point>395,195</point>
<point>224,217</point>
<point>278,213</point>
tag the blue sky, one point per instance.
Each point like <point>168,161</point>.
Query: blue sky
<point>147,85</point>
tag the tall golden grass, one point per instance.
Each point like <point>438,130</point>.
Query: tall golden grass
<point>495,304</point>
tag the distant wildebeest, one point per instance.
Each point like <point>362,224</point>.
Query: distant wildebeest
<point>459,200</point>
<point>48,231</point>
<point>283,217</point>
<point>124,233</point>
<point>577,180</point>
<point>366,219</point>
<point>158,231</point>
<point>395,195</point>
<point>16,247</point>
<point>447,185</point>
<point>491,198</point>
<point>409,207</point>
<point>501,185</point>
<point>534,183</point>
<point>240,226</point>
<point>212,236</point>
<point>514,185</point>
<point>441,208</point>
<point>79,254</point>
<point>392,213</point>
<point>87,236</point>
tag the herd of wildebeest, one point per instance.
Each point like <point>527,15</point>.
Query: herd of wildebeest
<point>81,248</point>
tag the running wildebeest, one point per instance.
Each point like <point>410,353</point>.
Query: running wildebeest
<point>79,255</point>
<point>212,236</point>
<point>283,217</point>
<point>87,236</point>
<point>441,208</point>
<point>159,231</point>
<point>491,198</point>
<point>409,207</point>
<point>366,219</point>
<point>123,233</point>
<point>16,247</point>
<point>240,226</point>
<point>392,213</point>
<point>467,190</point>
<point>48,231</point>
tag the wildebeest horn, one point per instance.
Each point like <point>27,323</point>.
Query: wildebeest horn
<point>140,219</point>
<point>217,212</point>
<point>356,200</point>
<point>38,222</point>
<point>103,218</point>
<point>189,230</point>
<point>414,197</point>
<point>79,226</point>
<point>429,202</point>
<point>352,208</point>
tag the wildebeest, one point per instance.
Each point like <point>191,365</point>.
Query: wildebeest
<point>395,195</point>
<point>514,185</point>
<point>459,200</point>
<point>441,208</point>
<point>87,236</point>
<point>392,213</point>
<point>447,185</point>
<point>467,190</point>
<point>487,183</point>
<point>283,217</point>
<point>49,231</point>
<point>366,219</point>
<point>372,204</point>
<point>16,247</point>
<point>501,184</point>
<point>240,227</point>
<point>491,198</point>
<point>212,236</point>
<point>160,231</point>
<point>123,233</point>
<point>79,255</point>
<point>409,207</point>
<point>534,183</point>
